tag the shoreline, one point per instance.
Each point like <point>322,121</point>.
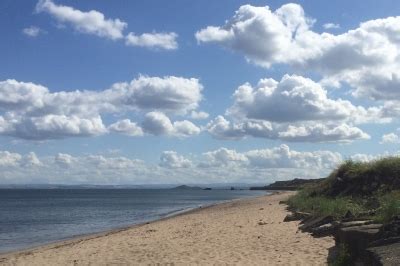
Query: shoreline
<point>88,236</point>
<point>239,231</point>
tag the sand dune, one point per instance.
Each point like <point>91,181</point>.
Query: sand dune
<point>242,232</point>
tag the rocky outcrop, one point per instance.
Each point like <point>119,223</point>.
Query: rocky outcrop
<point>383,255</point>
<point>357,238</point>
<point>367,243</point>
<point>296,216</point>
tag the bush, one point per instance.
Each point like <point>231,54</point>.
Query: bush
<point>389,206</point>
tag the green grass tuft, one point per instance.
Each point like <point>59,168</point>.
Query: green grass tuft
<point>389,207</point>
<point>343,257</point>
<point>321,205</point>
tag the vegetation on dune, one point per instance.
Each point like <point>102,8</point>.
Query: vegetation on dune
<point>389,206</point>
<point>358,187</point>
<point>321,205</point>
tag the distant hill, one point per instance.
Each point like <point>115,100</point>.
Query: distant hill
<point>185,187</point>
<point>293,184</point>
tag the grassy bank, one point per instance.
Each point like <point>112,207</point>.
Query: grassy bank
<point>366,189</point>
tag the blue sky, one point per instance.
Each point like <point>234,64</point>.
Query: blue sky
<point>179,58</point>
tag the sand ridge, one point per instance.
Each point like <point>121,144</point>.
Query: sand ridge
<point>240,232</point>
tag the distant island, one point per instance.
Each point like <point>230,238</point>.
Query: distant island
<point>185,187</point>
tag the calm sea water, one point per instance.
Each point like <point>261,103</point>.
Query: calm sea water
<point>30,217</point>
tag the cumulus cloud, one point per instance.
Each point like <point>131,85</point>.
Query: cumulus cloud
<point>265,37</point>
<point>53,127</point>
<point>222,165</point>
<point>168,93</point>
<point>223,157</point>
<point>11,159</point>
<point>322,133</point>
<point>32,31</point>
<point>199,115</point>
<point>331,26</point>
<point>64,160</point>
<point>91,22</point>
<point>157,123</point>
<point>172,159</point>
<point>294,109</point>
<point>284,157</point>
<point>31,111</point>
<point>126,127</point>
<point>224,129</point>
<point>95,23</point>
<point>166,41</point>
<point>390,138</point>
<point>292,99</point>
<point>304,132</point>
<point>366,57</point>
<point>30,160</point>
<point>278,157</point>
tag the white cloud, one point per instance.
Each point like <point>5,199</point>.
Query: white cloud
<point>95,23</point>
<point>331,26</point>
<point>166,41</point>
<point>304,132</point>
<point>185,128</point>
<point>278,157</point>
<point>366,57</point>
<point>360,157</point>
<point>294,109</point>
<point>157,123</point>
<point>168,93</point>
<point>91,22</point>
<point>322,133</point>
<point>390,138</point>
<point>284,157</point>
<point>31,160</point>
<point>215,166</point>
<point>32,31</point>
<point>292,99</point>
<point>52,127</point>
<point>31,111</point>
<point>126,127</point>
<point>9,159</point>
<point>265,37</point>
<point>64,160</point>
<point>224,129</point>
<point>172,159</point>
<point>199,115</point>
<point>223,157</point>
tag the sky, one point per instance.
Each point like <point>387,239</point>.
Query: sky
<point>173,92</point>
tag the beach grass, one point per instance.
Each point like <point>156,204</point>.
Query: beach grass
<point>389,207</point>
<point>358,187</point>
<point>322,205</point>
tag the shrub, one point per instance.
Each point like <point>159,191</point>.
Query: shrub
<point>389,206</point>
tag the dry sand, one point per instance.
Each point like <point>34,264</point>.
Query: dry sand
<point>241,232</point>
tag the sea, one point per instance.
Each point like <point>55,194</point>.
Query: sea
<point>33,217</point>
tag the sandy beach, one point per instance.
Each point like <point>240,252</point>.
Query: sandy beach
<point>241,232</point>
